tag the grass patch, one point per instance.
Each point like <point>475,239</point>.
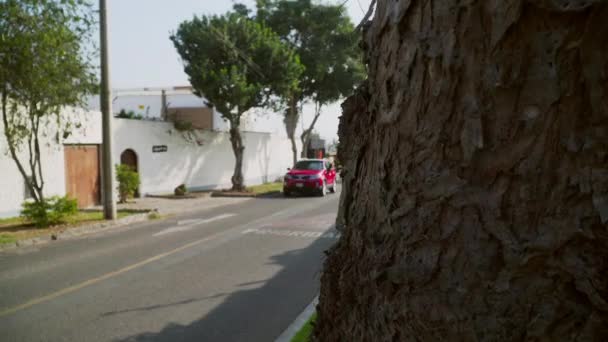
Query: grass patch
<point>154,216</point>
<point>304,334</point>
<point>11,221</point>
<point>6,238</point>
<point>89,216</point>
<point>266,188</point>
<point>17,228</point>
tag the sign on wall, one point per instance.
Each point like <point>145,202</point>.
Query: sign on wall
<point>159,148</point>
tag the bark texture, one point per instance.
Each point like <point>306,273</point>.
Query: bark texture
<point>13,124</point>
<point>475,182</point>
<point>291,122</point>
<point>306,135</point>
<point>237,148</point>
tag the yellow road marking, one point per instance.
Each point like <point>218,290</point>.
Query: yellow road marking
<point>39,300</point>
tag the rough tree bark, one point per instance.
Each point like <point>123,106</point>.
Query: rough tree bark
<point>237,148</point>
<point>305,137</point>
<point>35,180</point>
<point>291,123</point>
<point>475,184</point>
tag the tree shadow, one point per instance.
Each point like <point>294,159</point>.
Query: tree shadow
<point>255,314</point>
<point>301,197</point>
<point>162,306</point>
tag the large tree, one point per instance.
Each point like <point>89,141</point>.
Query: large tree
<point>43,68</point>
<point>237,64</point>
<point>325,40</point>
<point>475,189</point>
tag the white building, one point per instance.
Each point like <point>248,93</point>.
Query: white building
<point>164,157</point>
<point>148,102</point>
<point>58,163</point>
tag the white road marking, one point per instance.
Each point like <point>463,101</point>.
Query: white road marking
<point>293,233</point>
<point>189,224</point>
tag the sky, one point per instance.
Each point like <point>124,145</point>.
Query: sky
<point>141,54</point>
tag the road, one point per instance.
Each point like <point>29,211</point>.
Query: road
<point>241,272</point>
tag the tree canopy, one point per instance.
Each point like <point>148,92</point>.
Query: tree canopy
<point>43,68</point>
<point>237,64</point>
<point>325,39</point>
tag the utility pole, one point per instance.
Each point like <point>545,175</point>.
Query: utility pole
<point>163,105</point>
<point>109,206</point>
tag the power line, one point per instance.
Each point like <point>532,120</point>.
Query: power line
<point>361,7</point>
<point>239,53</point>
<point>370,10</point>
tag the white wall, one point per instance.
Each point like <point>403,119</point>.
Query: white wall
<point>207,166</point>
<point>256,120</point>
<point>12,185</point>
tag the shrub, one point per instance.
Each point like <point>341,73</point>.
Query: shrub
<point>123,114</point>
<point>51,211</point>
<point>180,190</point>
<point>154,216</point>
<point>183,126</point>
<point>128,182</point>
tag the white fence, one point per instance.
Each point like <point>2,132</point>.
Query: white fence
<point>202,161</point>
<point>12,185</point>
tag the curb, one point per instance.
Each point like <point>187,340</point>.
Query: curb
<point>245,195</point>
<point>229,194</point>
<point>78,231</point>
<point>184,197</point>
<point>299,322</point>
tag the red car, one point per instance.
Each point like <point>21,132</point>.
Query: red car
<point>310,176</point>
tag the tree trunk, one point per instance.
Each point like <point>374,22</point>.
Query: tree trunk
<point>294,149</point>
<point>305,142</point>
<point>291,122</point>
<point>305,137</point>
<point>31,182</point>
<point>475,190</point>
<point>238,150</point>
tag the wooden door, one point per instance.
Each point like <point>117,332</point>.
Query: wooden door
<point>82,174</point>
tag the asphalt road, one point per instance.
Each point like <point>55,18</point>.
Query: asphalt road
<point>241,272</point>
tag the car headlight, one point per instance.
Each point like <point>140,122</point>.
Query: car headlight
<point>287,177</point>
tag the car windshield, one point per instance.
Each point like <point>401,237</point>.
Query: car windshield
<point>309,165</point>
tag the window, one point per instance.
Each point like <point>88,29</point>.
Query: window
<point>309,165</point>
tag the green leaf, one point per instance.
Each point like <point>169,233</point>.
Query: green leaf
<point>43,68</point>
<point>235,62</point>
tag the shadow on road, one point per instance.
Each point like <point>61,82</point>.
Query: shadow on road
<point>280,197</point>
<point>258,314</point>
<point>161,306</point>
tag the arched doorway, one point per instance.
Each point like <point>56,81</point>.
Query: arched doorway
<point>129,157</point>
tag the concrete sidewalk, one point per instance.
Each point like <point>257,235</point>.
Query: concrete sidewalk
<point>162,206</point>
<point>165,206</point>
